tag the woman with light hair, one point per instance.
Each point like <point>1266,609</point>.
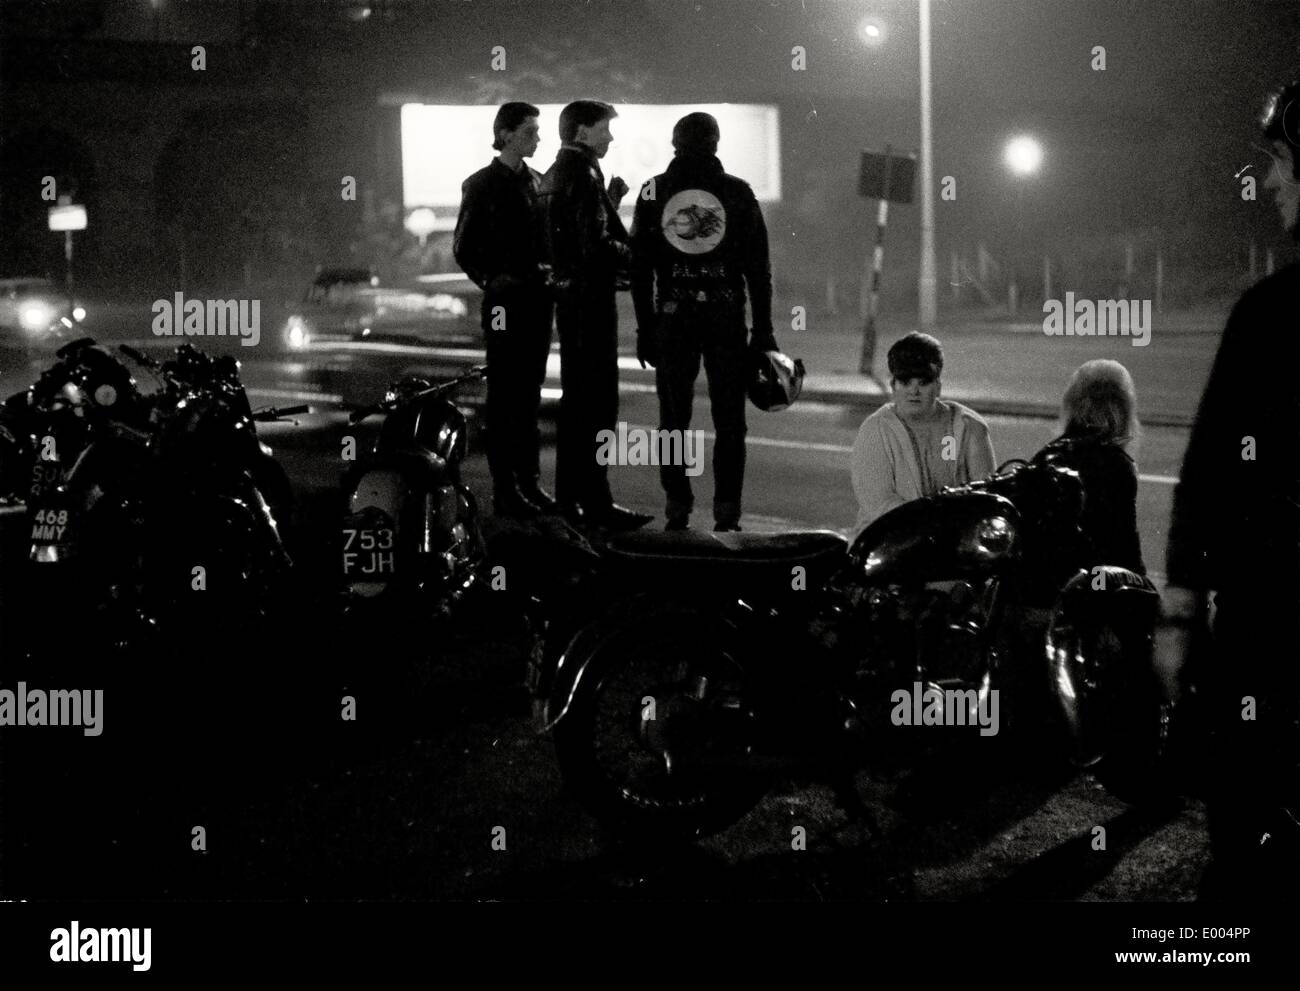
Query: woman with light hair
<point>1099,428</point>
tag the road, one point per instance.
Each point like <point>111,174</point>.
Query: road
<point>405,803</point>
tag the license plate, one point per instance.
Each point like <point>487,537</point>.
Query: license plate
<point>50,526</point>
<point>368,551</point>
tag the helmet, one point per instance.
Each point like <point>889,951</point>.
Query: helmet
<point>775,380</point>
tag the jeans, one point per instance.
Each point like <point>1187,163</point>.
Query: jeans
<point>718,337</point>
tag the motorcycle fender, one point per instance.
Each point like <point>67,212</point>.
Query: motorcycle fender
<point>1111,602</point>
<point>384,489</point>
<point>584,654</point>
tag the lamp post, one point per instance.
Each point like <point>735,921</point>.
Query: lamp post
<point>1023,155</point>
<point>872,32</point>
<point>929,283</point>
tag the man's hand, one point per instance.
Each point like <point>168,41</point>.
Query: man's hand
<point>647,349</point>
<point>1181,610</point>
<point>763,341</point>
<point>617,189</point>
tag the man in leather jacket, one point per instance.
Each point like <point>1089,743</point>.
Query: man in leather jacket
<point>587,247</point>
<point>1235,530</point>
<point>698,243</point>
<point>500,245</point>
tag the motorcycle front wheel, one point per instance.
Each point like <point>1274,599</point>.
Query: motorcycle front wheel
<point>658,739</point>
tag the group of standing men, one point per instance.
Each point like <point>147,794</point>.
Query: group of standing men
<point>553,245</point>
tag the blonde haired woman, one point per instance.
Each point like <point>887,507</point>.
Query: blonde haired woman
<point>1099,428</point>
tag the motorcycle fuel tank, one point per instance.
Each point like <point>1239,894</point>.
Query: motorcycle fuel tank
<point>939,538</point>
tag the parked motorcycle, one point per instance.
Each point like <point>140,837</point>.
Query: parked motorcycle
<point>132,492</point>
<point>735,654</point>
<point>411,536</point>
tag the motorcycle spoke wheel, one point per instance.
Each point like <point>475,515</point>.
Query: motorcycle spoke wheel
<point>658,739</point>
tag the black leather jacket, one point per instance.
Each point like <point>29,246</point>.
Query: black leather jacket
<point>498,232</point>
<point>1236,518</point>
<point>1110,487</point>
<point>587,242</point>
<point>700,237</point>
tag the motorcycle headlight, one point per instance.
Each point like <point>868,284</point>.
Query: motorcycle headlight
<point>441,429</point>
<point>450,443</point>
<point>991,539</point>
<point>79,313</point>
<point>36,316</point>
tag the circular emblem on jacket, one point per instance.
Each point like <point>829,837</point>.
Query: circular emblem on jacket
<point>694,221</point>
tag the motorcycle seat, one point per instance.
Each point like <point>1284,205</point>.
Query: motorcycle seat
<point>730,562</point>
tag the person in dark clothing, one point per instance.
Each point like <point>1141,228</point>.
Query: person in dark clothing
<point>1235,531</point>
<point>587,248</point>
<point>698,243</point>
<point>499,244</point>
<point>1099,417</point>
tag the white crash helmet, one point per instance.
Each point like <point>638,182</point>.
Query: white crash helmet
<point>775,380</point>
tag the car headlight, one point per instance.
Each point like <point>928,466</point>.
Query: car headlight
<point>78,313</point>
<point>446,303</point>
<point>36,316</point>
<point>296,334</point>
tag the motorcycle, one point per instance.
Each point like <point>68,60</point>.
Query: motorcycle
<point>411,534</point>
<point>732,655</point>
<point>132,493</point>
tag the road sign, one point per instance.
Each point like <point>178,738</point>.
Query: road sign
<point>68,217</point>
<point>888,177</point>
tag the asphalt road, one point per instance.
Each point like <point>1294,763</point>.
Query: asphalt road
<point>404,802</point>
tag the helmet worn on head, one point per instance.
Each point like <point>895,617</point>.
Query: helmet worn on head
<point>1281,120</point>
<point>775,380</point>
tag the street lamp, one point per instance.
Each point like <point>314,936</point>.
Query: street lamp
<point>1023,155</point>
<point>422,222</point>
<point>872,32</point>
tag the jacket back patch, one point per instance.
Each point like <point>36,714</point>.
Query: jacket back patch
<point>694,221</point>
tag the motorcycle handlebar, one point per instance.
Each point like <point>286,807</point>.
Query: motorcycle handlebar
<point>277,412</point>
<point>477,372</point>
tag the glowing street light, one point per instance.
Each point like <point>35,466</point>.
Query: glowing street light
<point>1023,155</point>
<point>421,222</point>
<point>871,30</point>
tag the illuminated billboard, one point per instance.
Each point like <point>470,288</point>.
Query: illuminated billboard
<point>444,145</point>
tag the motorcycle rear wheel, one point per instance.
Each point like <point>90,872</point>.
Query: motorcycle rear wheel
<point>658,739</point>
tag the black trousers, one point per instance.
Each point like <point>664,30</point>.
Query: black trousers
<point>517,348</point>
<point>716,336</point>
<point>587,320</point>
<point>1254,759</point>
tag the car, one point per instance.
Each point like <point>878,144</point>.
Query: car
<point>353,336</point>
<point>35,312</point>
<point>348,306</point>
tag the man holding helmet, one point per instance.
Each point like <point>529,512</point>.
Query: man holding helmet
<point>698,244</point>
<point>1235,529</point>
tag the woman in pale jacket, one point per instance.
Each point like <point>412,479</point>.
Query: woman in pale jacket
<point>917,444</point>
